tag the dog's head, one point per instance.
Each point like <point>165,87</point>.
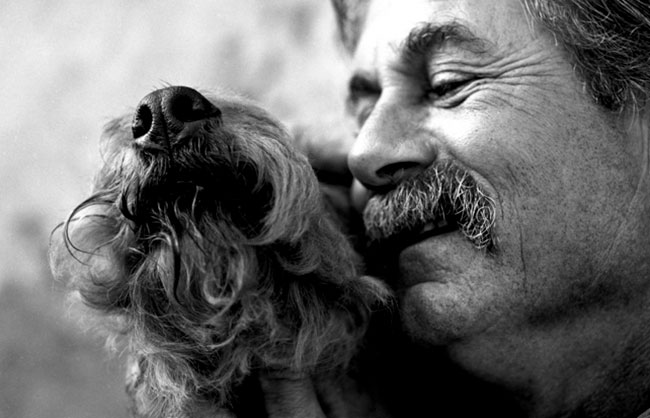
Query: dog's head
<point>206,246</point>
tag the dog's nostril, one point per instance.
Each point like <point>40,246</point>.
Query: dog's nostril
<point>142,121</point>
<point>189,106</point>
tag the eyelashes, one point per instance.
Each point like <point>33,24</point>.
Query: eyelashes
<point>446,89</point>
<point>449,89</point>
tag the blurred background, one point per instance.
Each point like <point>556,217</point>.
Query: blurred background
<point>66,68</point>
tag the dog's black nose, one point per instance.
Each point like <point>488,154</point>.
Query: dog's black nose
<point>164,113</point>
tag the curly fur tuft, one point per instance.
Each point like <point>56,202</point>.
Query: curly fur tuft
<point>213,261</point>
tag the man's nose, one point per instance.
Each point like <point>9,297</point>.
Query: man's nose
<point>391,146</point>
<point>164,114</point>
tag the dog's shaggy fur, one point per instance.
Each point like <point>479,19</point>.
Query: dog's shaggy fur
<point>208,255</point>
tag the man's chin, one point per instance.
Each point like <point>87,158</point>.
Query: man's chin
<point>430,315</point>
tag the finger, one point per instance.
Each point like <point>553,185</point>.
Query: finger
<point>289,398</point>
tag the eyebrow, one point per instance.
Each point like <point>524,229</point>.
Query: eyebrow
<point>427,39</point>
<point>422,42</point>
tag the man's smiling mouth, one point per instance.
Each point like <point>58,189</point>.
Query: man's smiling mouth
<point>443,198</point>
<point>432,229</point>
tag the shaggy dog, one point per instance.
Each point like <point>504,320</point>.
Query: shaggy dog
<point>208,255</point>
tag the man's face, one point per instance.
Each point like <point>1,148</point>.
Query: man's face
<point>475,83</point>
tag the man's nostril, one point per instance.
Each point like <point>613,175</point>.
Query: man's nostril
<point>396,172</point>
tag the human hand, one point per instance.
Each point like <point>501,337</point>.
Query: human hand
<point>323,397</point>
<point>290,397</point>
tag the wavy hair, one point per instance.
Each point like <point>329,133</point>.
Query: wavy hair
<point>609,41</point>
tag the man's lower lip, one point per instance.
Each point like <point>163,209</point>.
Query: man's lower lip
<point>385,255</point>
<point>428,259</point>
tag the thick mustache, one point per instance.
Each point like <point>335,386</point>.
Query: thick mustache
<point>443,193</point>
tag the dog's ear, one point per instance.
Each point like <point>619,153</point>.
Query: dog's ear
<point>86,254</point>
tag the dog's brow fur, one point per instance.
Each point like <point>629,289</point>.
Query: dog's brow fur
<point>231,269</point>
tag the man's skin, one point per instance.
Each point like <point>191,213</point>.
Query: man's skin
<point>556,317</point>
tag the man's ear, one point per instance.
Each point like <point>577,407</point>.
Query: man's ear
<point>645,138</point>
<point>637,125</point>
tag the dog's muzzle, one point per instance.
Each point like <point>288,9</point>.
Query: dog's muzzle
<point>169,115</point>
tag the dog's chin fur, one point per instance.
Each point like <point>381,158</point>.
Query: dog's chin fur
<point>213,262</point>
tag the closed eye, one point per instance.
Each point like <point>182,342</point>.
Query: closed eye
<point>361,85</point>
<point>447,93</point>
<point>363,93</point>
<point>444,89</point>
